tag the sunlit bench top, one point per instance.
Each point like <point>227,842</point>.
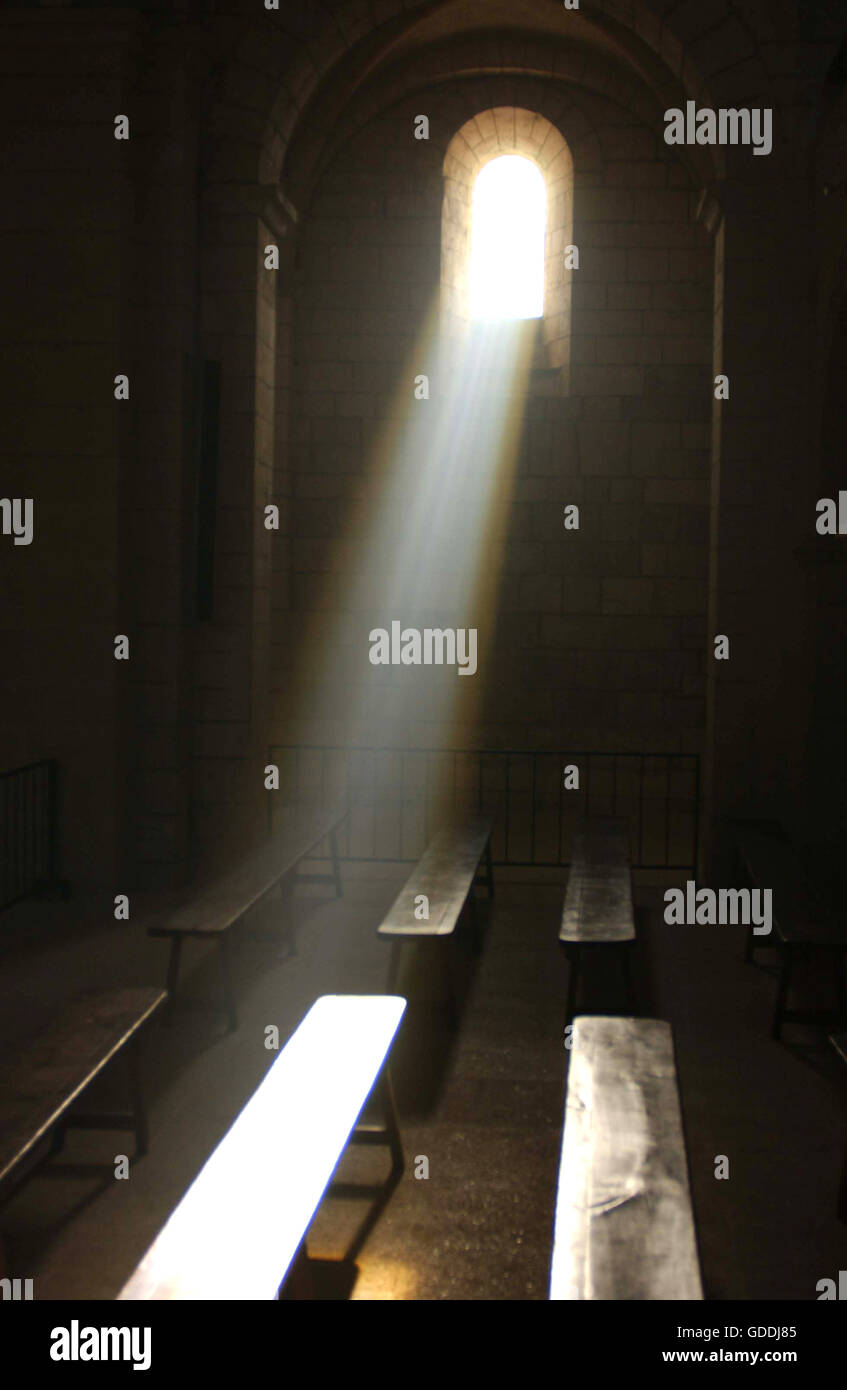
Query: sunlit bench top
<point>445,875</point>
<point>598,898</point>
<point>237,1229</point>
<point>624,1224</point>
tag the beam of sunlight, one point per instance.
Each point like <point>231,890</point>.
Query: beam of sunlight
<point>507,240</point>
<point>422,547</point>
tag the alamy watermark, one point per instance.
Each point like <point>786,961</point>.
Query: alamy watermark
<point>708,907</point>
<point>17,1290</point>
<point>16,518</point>
<point>77,1343</point>
<point>727,126</point>
<point>430,646</point>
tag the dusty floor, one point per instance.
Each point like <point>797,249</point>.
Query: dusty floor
<point>484,1104</point>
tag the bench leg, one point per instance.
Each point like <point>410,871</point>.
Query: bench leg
<point>299,1283</point>
<point>448,976</point>
<point>388,1134</point>
<point>173,976</point>
<point>782,991</point>
<point>227,990</point>
<point>842,1190</point>
<point>574,961</point>
<point>393,968</point>
<point>840,968</point>
<point>336,863</point>
<point>137,1098</point>
<point>739,875</point>
<point>392,1127</point>
<point>57,1140</point>
<point>629,979</point>
<point>476,923</point>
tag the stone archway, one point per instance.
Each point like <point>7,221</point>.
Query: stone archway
<point>304,102</point>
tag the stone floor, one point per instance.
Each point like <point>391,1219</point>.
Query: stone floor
<point>483,1104</point>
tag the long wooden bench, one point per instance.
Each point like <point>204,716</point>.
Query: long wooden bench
<point>37,1092</point>
<point>241,1227</point>
<point>598,911</point>
<point>211,913</point>
<point>624,1226</point>
<point>800,926</point>
<point>445,875</point>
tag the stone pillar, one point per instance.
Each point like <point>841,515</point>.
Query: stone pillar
<point>756,698</point>
<point>232,650</point>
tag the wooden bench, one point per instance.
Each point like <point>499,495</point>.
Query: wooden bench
<point>839,1042</point>
<point>445,875</point>
<point>800,926</point>
<point>211,913</point>
<point>624,1226</point>
<point>598,910</point>
<point>242,1224</point>
<point>38,1091</point>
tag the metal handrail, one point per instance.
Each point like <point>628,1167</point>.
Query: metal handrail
<point>665,823</point>
<point>28,830</point>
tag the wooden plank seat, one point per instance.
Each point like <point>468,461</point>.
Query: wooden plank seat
<point>211,912</point>
<point>445,874</point>
<point>839,1042</point>
<point>624,1225</point>
<point>38,1091</point>
<point>241,1227</point>
<point>801,926</point>
<point>598,911</point>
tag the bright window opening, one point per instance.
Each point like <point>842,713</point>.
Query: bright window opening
<point>507,240</point>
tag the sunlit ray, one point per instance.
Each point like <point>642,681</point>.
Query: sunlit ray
<point>421,550</point>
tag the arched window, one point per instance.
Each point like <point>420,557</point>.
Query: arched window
<point>508,222</point>
<point>494,252</point>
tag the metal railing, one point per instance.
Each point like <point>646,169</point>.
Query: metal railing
<point>397,796</point>
<point>27,831</point>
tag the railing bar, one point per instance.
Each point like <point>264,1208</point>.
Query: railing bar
<point>24,829</point>
<point>641,811</point>
<point>26,783</point>
<point>508,800</point>
<point>32,845</point>
<point>19,806</point>
<point>43,827</point>
<point>588,767</point>
<point>20,834</point>
<point>9,847</point>
<point>696,846</point>
<point>4,842</point>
